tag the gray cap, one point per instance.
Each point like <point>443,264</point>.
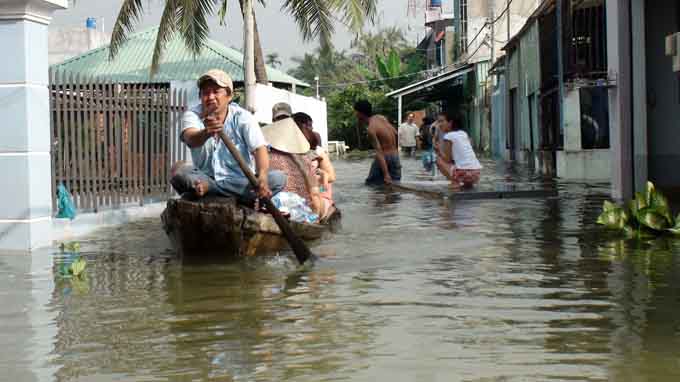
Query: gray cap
<point>281,109</point>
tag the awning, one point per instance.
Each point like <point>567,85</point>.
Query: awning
<point>415,87</point>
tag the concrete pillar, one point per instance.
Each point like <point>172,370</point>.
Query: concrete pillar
<point>620,105</point>
<point>25,161</point>
<point>639,58</point>
<point>400,117</point>
<point>571,109</point>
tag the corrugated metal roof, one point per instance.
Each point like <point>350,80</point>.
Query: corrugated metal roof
<point>178,64</point>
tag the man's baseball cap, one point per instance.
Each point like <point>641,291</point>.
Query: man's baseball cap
<point>218,76</point>
<point>281,109</point>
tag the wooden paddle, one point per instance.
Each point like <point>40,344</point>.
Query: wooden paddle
<point>302,253</point>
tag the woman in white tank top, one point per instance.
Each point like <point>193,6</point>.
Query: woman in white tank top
<point>458,161</point>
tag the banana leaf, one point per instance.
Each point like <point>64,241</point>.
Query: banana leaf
<point>613,217</point>
<point>650,218</point>
<point>675,230</point>
<point>72,246</point>
<point>638,204</point>
<point>659,203</point>
<point>642,233</point>
<point>609,206</point>
<point>77,267</point>
<point>650,191</point>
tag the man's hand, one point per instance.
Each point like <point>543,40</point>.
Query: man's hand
<point>263,190</point>
<point>388,180</point>
<point>212,125</point>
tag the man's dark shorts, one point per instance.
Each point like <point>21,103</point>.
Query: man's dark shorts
<point>375,175</point>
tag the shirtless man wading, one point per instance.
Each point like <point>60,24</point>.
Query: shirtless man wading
<point>386,167</point>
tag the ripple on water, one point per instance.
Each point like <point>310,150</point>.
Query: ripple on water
<point>411,288</point>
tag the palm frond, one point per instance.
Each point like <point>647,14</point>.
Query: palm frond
<point>130,13</point>
<point>356,12</point>
<point>313,17</point>
<point>166,30</point>
<point>193,22</point>
<point>222,13</point>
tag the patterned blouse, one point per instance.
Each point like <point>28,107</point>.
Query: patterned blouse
<point>296,182</point>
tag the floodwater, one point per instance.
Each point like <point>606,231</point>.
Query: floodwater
<point>410,289</point>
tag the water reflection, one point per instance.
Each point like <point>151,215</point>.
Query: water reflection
<point>410,289</point>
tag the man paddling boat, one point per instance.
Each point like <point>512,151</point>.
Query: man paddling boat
<point>214,170</point>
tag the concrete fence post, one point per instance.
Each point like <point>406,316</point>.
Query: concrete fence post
<point>25,142</point>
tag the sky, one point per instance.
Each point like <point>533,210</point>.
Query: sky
<point>278,32</point>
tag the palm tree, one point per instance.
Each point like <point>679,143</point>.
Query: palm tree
<point>379,43</point>
<point>260,69</point>
<point>189,18</point>
<point>273,60</point>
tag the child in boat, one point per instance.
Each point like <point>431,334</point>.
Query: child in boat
<point>322,167</point>
<point>457,161</point>
<point>290,153</point>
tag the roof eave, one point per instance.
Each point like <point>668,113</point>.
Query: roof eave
<point>412,88</point>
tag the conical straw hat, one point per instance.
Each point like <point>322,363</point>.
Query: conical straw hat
<point>284,135</point>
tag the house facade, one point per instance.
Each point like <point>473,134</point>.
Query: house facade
<point>642,52</point>
<point>462,38</point>
<point>578,148</point>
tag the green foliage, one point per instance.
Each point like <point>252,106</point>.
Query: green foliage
<point>71,246</point>
<point>395,72</point>
<point>273,60</point>
<point>366,72</point>
<point>647,215</point>
<point>342,122</point>
<point>72,264</point>
<point>189,18</point>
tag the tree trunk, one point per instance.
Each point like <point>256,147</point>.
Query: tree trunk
<point>249,54</point>
<point>260,68</point>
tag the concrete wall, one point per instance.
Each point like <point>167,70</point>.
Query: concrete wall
<point>586,165</point>
<point>67,42</point>
<point>478,117</point>
<point>25,143</point>
<point>267,96</point>
<point>498,130</point>
<point>478,13</point>
<point>529,84</point>
<point>663,92</point>
<point>574,163</point>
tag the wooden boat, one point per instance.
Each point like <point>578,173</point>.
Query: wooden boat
<point>220,225</point>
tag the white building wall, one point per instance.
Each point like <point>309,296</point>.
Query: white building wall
<point>67,42</point>
<point>575,163</point>
<point>478,16</point>
<point>267,96</point>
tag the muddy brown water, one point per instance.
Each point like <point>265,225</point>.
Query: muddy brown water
<point>411,289</point>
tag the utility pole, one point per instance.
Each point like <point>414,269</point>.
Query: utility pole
<point>493,31</point>
<point>560,66</point>
<point>249,54</point>
<point>316,79</point>
<point>507,10</point>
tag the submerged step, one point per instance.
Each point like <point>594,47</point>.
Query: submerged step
<point>498,191</point>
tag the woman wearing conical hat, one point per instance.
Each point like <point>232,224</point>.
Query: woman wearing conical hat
<point>290,153</point>
<point>322,168</point>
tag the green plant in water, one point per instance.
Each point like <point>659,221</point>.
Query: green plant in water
<point>647,215</point>
<point>71,246</point>
<point>75,266</point>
